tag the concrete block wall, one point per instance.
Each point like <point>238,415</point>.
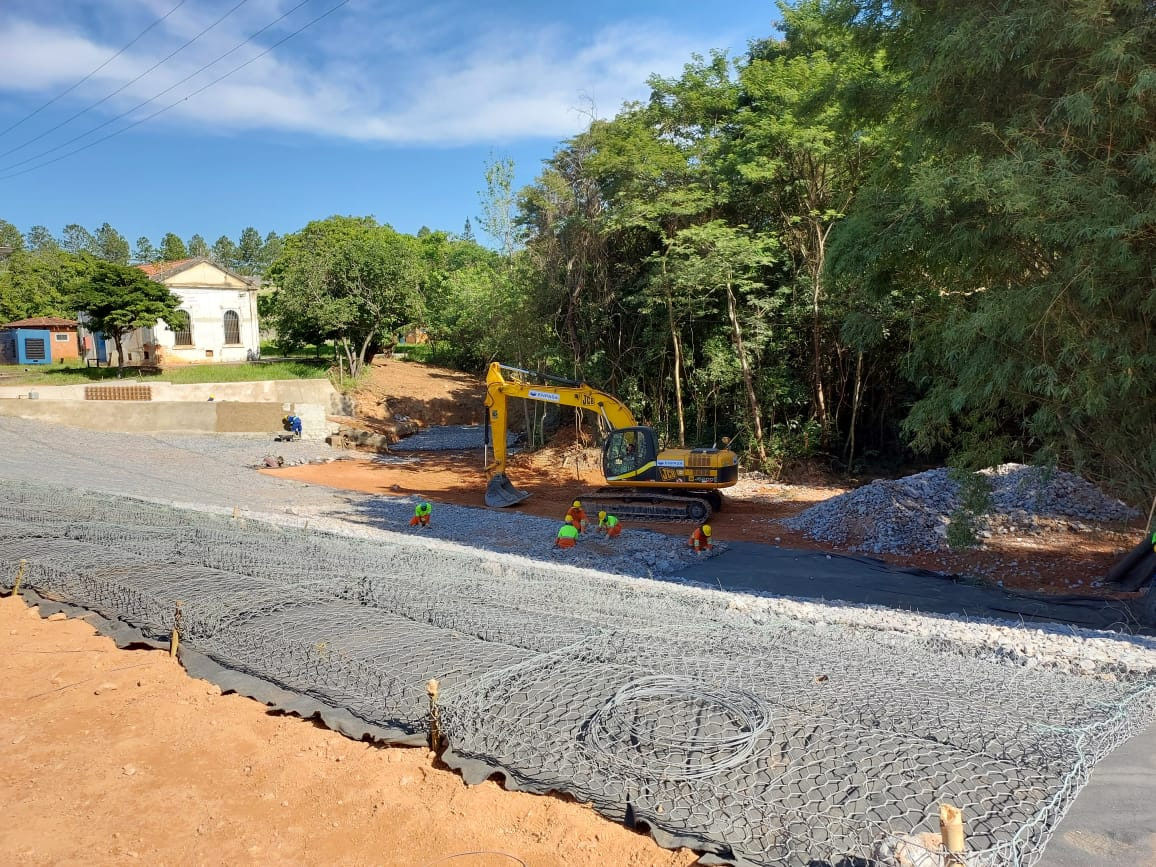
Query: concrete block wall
<point>131,416</point>
<point>278,391</point>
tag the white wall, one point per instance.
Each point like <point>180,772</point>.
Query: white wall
<point>206,294</point>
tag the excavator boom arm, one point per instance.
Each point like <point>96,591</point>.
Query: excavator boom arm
<point>561,392</point>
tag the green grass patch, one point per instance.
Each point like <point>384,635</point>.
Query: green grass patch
<point>420,352</point>
<point>74,374</point>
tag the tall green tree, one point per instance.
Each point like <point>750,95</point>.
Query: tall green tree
<point>249,251</point>
<point>198,247</point>
<point>10,236</point>
<point>806,144</point>
<point>110,245</point>
<point>36,283</point>
<point>116,299</point>
<point>1020,209</point>
<point>270,250</point>
<point>173,249</point>
<point>145,251</point>
<point>349,280</point>
<point>732,263</point>
<point>77,239</point>
<point>40,240</point>
<point>224,252</point>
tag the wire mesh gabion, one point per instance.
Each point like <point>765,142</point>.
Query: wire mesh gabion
<point>772,742</point>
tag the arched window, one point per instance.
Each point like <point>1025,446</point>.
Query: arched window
<point>232,327</point>
<point>182,328</point>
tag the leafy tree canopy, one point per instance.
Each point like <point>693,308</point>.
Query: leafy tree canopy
<point>145,251</point>
<point>37,283</point>
<point>198,247</point>
<point>10,236</point>
<point>77,239</point>
<point>173,248</point>
<point>346,279</point>
<point>40,239</point>
<point>110,245</point>
<point>115,299</point>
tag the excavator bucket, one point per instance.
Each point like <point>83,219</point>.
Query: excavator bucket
<point>500,492</point>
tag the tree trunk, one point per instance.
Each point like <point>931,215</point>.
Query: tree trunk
<point>854,411</point>
<point>817,359</point>
<point>361,355</point>
<point>748,378</point>
<point>677,347</point>
<point>118,338</point>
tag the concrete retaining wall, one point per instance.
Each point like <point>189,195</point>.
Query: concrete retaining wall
<point>278,391</point>
<point>154,416</point>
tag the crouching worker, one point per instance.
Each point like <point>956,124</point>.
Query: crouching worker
<point>700,538</point>
<point>567,534</point>
<point>578,515</point>
<point>609,525</point>
<point>421,513</point>
<point>291,423</point>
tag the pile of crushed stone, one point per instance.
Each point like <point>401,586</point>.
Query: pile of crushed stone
<point>902,516</point>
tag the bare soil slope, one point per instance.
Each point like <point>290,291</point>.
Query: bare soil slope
<point>429,395</point>
<point>117,757</point>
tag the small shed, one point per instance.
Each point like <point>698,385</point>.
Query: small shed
<point>41,340</point>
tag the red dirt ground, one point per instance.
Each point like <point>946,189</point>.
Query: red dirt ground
<point>1063,561</point>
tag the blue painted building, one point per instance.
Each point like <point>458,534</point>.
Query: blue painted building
<point>42,340</point>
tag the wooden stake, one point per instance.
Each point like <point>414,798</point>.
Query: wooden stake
<point>175,639</point>
<point>435,725</point>
<point>951,832</point>
<point>19,578</point>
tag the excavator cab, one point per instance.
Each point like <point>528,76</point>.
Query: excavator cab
<point>628,453</point>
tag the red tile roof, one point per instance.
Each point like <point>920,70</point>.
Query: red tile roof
<point>152,269</point>
<point>41,322</point>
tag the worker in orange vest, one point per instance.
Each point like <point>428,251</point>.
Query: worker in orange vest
<point>700,538</point>
<point>578,516</point>
<point>609,525</point>
<point>567,534</point>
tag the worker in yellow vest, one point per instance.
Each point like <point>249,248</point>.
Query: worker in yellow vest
<point>567,534</point>
<point>421,513</point>
<point>609,525</point>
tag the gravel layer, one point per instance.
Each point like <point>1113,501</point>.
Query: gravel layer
<point>218,471</point>
<point>456,437</point>
<point>213,473</point>
<point>897,516</point>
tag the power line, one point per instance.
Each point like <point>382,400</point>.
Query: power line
<point>105,99</point>
<point>196,92</point>
<point>65,93</point>
<point>154,97</point>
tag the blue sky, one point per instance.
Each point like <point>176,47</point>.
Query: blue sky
<point>382,107</point>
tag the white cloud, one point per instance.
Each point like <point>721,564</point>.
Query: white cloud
<point>362,78</point>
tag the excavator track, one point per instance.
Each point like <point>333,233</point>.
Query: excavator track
<point>639,504</point>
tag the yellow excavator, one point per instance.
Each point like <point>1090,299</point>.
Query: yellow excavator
<point>642,482</point>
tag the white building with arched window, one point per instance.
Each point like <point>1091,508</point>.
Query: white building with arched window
<point>219,321</point>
